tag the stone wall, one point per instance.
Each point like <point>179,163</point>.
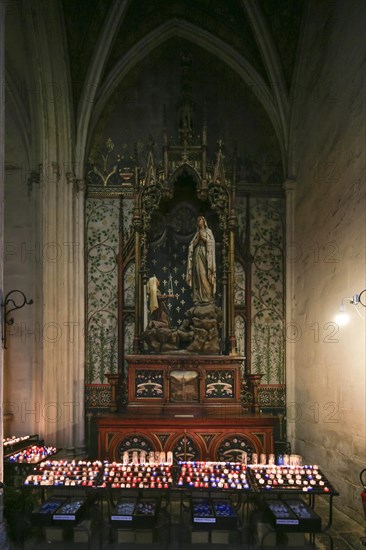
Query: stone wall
<point>44,226</point>
<point>23,251</point>
<point>329,248</point>
<point>22,261</point>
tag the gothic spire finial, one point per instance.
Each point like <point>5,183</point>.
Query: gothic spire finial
<point>186,75</point>
<point>186,105</point>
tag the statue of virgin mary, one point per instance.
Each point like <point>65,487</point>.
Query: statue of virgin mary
<point>201,269</point>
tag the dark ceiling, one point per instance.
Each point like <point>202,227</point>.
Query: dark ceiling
<point>225,19</point>
<point>134,111</point>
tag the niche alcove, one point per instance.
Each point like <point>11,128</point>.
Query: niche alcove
<point>183,379</point>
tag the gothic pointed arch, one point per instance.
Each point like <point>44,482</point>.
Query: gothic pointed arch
<point>271,60</point>
<point>94,75</point>
<point>202,38</point>
<point>188,169</point>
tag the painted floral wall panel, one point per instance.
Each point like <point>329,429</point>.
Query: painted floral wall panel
<point>267,296</point>
<point>129,332</point>
<point>241,214</point>
<point>239,333</point>
<point>102,222</point>
<point>127,216</point>
<point>239,285</point>
<point>129,285</point>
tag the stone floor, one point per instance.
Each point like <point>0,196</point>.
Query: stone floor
<point>174,532</point>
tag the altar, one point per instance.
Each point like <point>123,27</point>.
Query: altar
<point>184,381</point>
<point>190,405</point>
<point>221,438</point>
<point>184,385</point>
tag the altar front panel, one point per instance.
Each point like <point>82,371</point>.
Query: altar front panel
<point>177,384</point>
<point>216,439</point>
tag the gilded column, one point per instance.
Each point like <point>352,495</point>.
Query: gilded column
<point>138,291</point>
<point>231,286</point>
<point>289,188</point>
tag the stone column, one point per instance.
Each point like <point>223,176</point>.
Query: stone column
<point>3,541</point>
<point>289,187</point>
<point>78,345</point>
<point>2,124</point>
<point>62,387</point>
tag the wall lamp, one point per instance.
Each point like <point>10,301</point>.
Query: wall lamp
<point>342,317</point>
<point>7,309</point>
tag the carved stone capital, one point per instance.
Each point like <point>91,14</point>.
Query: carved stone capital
<point>70,178</point>
<point>56,170</point>
<point>34,177</point>
<point>289,185</point>
<point>80,185</point>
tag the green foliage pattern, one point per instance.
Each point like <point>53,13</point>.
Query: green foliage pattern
<point>102,216</point>
<point>267,250</point>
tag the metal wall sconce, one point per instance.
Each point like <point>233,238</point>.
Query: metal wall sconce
<point>342,317</point>
<point>7,309</point>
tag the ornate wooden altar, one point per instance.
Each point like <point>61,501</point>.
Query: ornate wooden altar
<point>184,385</point>
<point>190,405</point>
<point>221,438</point>
<point>181,389</point>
